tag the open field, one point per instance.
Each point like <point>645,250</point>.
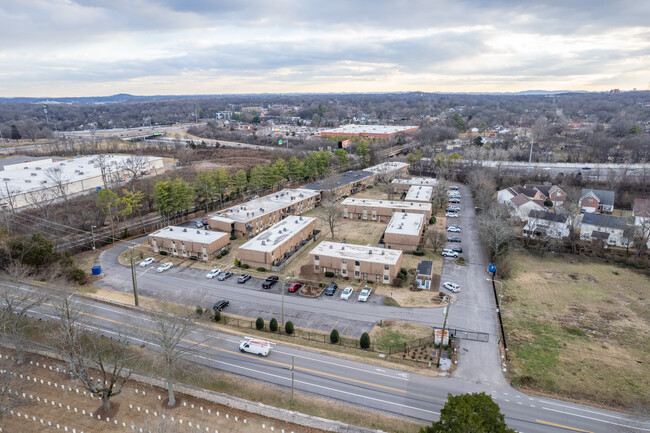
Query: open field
<point>579,328</point>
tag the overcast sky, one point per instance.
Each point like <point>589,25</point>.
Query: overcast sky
<point>146,47</point>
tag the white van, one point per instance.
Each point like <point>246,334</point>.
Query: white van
<point>255,346</point>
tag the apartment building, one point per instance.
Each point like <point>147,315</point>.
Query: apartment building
<point>188,242</point>
<point>389,169</point>
<point>348,183</point>
<point>275,245</point>
<point>358,262</point>
<point>419,193</point>
<point>381,210</point>
<point>401,185</point>
<point>404,231</point>
<point>248,219</point>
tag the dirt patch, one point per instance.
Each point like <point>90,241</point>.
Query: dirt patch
<point>311,291</point>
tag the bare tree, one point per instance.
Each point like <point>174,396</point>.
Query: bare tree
<point>42,199</point>
<point>172,330</point>
<point>8,195</point>
<point>17,303</point>
<point>641,237</point>
<point>61,186</point>
<point>436,238</point>
<point>135,165</point>
<point>496,231</point>
<point>330,214</point>
<point>86,354</point>
<point>440,197</point>
<point>10,381</point>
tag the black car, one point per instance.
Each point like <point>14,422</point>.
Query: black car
<point>220,305</point>
<point>270,281</point>
<point>243,278</point>
<point>224,275</point>
<point>453,239</point>
<point>331,289</point>
<point>456,249</point>
<point>452,209</point>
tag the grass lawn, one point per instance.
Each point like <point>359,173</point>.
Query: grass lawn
<point>393,333</point>
<point>580,328</point>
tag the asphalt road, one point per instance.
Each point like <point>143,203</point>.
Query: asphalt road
<point>383,389</point>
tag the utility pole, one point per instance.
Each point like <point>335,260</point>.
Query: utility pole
<point>444,325</point>
<point>134,278</point>
<point>293,359</point>
<point>92,233</point>
<point>530,157</point>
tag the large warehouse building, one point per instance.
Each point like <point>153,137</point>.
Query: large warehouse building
<point>373,131</point>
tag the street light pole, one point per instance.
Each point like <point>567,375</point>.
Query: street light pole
<point>92,233</point>
<point>444,325</point>
<point>134,278</point>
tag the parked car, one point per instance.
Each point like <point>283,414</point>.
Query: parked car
<point>457,249</point>
<point>294,287</point>
<point>449,253</point>
<point>453,239</point>
<point>453,229</point>
<point>453,209</point>
<point>270,282</point>
<point>455,195</point>
<point>146,262</point>
<point>454,187</point>
<point>454,200</point>
<point>331,289</point>
<point>198,224</point>
<point>224,275</point>
<point>347,292</point>
<point>451,215</point>
<point>213,273</point>
<point>165,266</point>
<point>243,278</point>
<point>452,287</point>
<point>220,305</point>
<point>365,294</point>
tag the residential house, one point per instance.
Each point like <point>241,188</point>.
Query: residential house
<point>596,200</point>
<point>523,205</point>
<point>550,192</point>
<point>641,211</point>
<point>424,274</point>
<point>547,224</point>
<point>607,229</point>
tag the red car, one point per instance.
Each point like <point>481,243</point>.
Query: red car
<point>294,287</point>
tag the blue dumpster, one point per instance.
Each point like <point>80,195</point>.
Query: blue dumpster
<point>96,270</point>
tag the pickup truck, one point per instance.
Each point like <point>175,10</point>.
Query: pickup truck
<point>255,346</point>
<point>270,281</point>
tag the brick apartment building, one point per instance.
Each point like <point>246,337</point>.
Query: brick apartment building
<point>401,185</point>
<point>248,219</point>
<point>189,242</point>
<point>357,262</point>
<point>276,244</point>
<point>347,183</point>
<point>381,210</point>
<point>419,193</point>
<point>404,231</point>
<point>389,169</point>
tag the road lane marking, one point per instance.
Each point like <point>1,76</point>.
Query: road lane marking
<point>596,419</point>
<point>584,410</point>
<point>562,426</point>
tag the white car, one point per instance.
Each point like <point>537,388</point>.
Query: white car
<point>347,292</point>
<point>213,273</point>
<point>453,229</point>
<point>451,215</point>
<point>449,253</point>
<point>146,262</point>
<point>365,294</point>
<point>163,267</point>
<point>452,287</point>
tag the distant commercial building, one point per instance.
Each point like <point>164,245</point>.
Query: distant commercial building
<point>381,210</point>
<point>223,115</point>
<point>276,244</point>
<point>29,182</point>
<point>374,131</point>
<point>248,219</point>
<point>404,231</point>
<point>189,242</point>
<point>357,262</point>
<point>347,183</point>
<point>402,184</point>
<point>422,194</point>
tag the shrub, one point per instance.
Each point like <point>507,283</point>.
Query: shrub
<point>126,233</point>
<point>77,275</point>
<point>329,274</point>
<point>259,324</point>
<point>219,256</point>
<point>369,282</point>
<point>273,325</point>
<point>261,269</point>
<point>403,271</point>
<point>199,310</point>
<point>245,266</point>
<point>461,260</point>
<point>288,328</point>
<point>364,341</point>
<point>432,220</point>
<point>233,238</point>
<point>418,252</point>
<point>346,278</point>
<point>193,258</point>
<point>162,253</point>
<point>398,282</point>
<point>334,336</point>
<point>217,316</point>
<point>225,252</point>
<point>237,263</point>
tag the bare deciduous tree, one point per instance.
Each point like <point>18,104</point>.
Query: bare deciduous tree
<point>330,214</point>
<point>496,231</point>
<point>436,238</point>
<point>61,187</point>
<point>86,354</point>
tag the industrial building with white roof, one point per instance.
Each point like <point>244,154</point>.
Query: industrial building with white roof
<point>188,242</point>
<point>377,131</point>
<point>276,244</point>
<point>365,263</point>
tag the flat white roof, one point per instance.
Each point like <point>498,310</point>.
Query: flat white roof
<point>419,193</point>
<point>406,205</point>
<point>357,252</point>
<point>368,129</point>
<point>33,175</point>
<point>424,181</point>
<point>278,234</point>
<point>189,234</point>
<point>386,167</point>
<point>405,224</point>
<point>263,205</point>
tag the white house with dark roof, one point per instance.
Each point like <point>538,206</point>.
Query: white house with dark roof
<point>641,211</point>
<point>608,229</point>
<point>547,224</point>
